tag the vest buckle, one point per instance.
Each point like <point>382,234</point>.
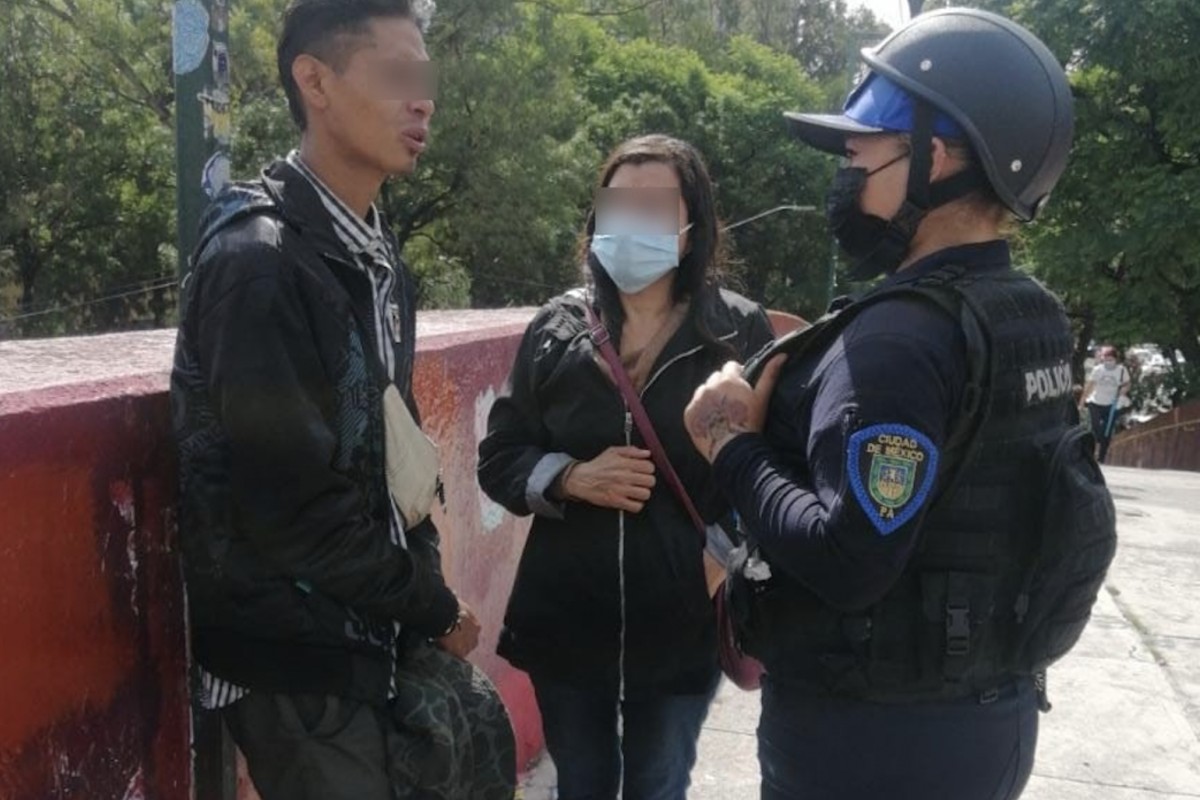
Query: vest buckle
<point>958,630</point>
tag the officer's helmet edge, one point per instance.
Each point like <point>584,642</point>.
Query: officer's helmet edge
<point>907,57</point>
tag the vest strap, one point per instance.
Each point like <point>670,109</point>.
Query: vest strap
<point>958,625</point>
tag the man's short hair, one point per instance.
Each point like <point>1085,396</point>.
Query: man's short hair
<point>327,30</point>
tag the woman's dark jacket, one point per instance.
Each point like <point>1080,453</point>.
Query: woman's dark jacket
<point>563,621</point>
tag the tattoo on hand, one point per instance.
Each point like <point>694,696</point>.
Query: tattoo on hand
<point>717,417</point>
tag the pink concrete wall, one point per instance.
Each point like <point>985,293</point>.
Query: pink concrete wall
<point>93,666</point>
<point>783,323</point>
<point>1169,441</point>
<point>93,694</point>
<point>456,379</point>
<point>93,702</point>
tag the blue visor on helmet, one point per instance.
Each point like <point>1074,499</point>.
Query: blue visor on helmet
<point>877,105</point>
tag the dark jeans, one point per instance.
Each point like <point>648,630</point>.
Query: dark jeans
<point>1099,420</point>
<point>814,748</point>
<point>659,745</point>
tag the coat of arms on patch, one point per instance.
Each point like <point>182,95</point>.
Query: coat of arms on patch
<point>891,468</point>
<point>891,481</point>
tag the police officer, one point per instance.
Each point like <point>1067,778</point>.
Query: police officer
<point>887,512</point>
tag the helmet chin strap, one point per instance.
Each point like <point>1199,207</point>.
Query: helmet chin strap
<point>920,199</point>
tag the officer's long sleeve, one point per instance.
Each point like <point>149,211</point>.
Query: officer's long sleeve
<point>880,413</point>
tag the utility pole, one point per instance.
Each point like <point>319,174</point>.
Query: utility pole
<point>203,123</point>
<point>203,130</point>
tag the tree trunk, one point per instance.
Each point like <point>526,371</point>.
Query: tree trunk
<point>29,265</point>
<point>25,304</point>
<point>1085,327</point>
<point>158,307</point>
<point>1189,329</point>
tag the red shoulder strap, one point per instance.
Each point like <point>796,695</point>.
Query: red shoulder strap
<point>633,402</point>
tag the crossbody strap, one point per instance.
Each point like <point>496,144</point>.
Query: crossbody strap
<point>603,342</point>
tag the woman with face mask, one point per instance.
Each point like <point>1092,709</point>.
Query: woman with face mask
<point>894,475</point>
<point>611,613</point>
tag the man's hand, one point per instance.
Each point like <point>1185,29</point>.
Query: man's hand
<point>620,477</point>
<point>465,636</point>
<point>727,405</point>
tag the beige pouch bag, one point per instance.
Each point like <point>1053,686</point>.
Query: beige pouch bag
<point>412,460</point>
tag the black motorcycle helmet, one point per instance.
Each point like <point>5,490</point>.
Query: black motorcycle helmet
<point>974,72</point>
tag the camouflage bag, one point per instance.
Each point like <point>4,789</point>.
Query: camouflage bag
<point>451,737</point>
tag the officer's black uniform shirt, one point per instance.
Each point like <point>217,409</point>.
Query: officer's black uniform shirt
<point>835,487</point>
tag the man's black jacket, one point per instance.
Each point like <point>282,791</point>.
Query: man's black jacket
<point>293,579</point>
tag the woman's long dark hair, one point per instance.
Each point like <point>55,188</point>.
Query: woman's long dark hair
<point>700,269</point>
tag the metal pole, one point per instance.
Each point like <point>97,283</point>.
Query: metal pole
<point>203,125</point>
<point>767,213</point>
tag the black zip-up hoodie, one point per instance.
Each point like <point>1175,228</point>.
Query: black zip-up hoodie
<point>293,580</point>
<point>564,617</point>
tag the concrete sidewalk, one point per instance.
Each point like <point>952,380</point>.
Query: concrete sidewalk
<point>1126,717</point>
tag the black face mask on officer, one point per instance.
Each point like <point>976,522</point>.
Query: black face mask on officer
<point>876,244</point>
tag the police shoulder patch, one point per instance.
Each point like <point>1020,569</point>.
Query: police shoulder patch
<point>891,470</point>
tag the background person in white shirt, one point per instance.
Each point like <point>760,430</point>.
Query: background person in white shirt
<point>1109,381</point>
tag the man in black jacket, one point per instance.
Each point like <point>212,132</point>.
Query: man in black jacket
<point>305,585</point>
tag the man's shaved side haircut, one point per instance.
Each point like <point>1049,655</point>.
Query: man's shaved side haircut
<point>331,31</point>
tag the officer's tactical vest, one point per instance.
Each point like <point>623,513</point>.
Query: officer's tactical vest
<point>1010,555</point>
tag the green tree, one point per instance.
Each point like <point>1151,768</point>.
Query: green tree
<point>85,182</point>
<point>555,126</point>
<point>534,93</point>
<point>1119,240</point>
<point>496,203</point>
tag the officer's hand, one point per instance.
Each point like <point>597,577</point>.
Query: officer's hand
<point>465,636</point>
<point>727,405</point>
<point>620,477</point>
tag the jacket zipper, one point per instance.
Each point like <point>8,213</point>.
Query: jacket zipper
<point>621,587</point>
<point>368,329</point>
<point>370,332</point>
<point>677,359</point>
<point>621,526</point>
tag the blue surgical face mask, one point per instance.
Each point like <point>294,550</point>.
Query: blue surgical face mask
<point>633,258</point>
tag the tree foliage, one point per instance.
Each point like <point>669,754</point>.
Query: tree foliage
<point>86,206</point>
<point>534,94</point>
<point>1118,241</point>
